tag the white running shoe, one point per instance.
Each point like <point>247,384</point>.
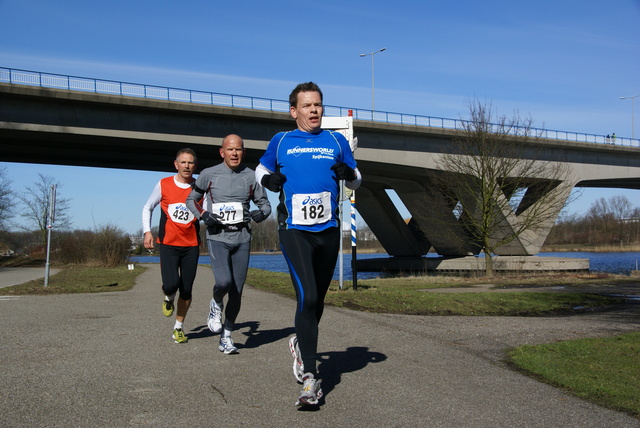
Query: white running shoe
<point>311,391</point>
<point>215,317</point>
<point>227,346</point>
<point>298,366</point>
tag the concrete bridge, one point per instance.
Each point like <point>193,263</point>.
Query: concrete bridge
<point>68,127</point>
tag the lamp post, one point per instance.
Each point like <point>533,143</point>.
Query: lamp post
<point>632,113</point>
<point>373,99</point>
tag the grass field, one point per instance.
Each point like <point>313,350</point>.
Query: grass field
<point>604,370</point>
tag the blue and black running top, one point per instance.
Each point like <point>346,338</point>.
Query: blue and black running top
<point>309,197</point>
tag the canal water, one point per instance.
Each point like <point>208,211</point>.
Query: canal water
<point>613,262</point>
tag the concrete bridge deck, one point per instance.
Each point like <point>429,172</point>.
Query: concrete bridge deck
<point>45,125</point>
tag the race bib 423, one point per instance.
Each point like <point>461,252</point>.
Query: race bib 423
<point>179,213</point>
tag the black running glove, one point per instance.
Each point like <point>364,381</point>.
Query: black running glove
<point>343,172</point>
<point>273,181</point>
<point>210,219</point>
<point>257,216</point>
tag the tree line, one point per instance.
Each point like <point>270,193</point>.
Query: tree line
<point>607,222</point>
<point>107,245</point>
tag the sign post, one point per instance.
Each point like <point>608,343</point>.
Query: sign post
<point>50,219</point>
<point>344,125</point>
<point>354,254</point>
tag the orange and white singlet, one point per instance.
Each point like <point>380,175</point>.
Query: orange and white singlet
<point>178,226</point>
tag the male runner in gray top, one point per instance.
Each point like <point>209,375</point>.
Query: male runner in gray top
<point>229,187</point>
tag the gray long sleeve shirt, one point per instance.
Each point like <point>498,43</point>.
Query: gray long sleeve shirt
<point>228,192</point>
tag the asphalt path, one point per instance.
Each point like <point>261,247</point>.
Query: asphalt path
<point>107,360</point>
<point>19,275</point>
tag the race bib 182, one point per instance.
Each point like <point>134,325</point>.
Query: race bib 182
<point>310,209</point>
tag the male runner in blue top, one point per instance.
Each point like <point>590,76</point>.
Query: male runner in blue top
<point>306,165</point>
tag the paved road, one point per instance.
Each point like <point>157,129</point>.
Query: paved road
<point>19,275</point>
<point>107,360</point>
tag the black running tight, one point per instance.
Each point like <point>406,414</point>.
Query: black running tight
<point>178,267</point>
<point>311,257</point>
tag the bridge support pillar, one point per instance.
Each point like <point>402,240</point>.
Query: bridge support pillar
<point>434,221</point>
<point>433,215</point>
<point>383,218</point>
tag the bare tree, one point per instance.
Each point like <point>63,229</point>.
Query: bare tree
<point>612,220</point>
<point>600,221</point>
<point>497,188</point>
<point>607,222</point>
<point>6,198</point>
<point>265,235</point>
<point>35,200</point>
<point>623,211</point>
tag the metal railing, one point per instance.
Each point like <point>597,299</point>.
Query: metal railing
<point>49,80</point>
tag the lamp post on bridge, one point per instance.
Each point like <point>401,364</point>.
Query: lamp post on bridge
<point>373,99</point>
<point>632,113</point>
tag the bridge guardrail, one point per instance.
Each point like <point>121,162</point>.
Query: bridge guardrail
<point>85,84</point>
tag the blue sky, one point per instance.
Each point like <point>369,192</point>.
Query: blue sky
<point>565,63</point>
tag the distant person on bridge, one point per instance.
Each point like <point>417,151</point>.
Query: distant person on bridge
<point>178,238</point>
<point>230,188</point>
<point>306,165</point>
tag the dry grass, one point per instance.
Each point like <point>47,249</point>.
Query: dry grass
<point>590,248</point>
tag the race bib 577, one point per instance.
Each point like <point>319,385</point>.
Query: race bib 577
<point>232,212</point>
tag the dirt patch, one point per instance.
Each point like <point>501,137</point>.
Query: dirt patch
<point>628,289</point>
<point>21,261</point>
<point>482,288</point>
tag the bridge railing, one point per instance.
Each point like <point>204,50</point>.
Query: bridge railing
<point>49,80</point>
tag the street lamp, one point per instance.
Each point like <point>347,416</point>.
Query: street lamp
<point>373,99</point>
<point>632,114</point>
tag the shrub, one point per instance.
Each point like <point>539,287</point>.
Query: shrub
<point>110,246</point>
<point>107,246</point>
<point>72,247</point>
